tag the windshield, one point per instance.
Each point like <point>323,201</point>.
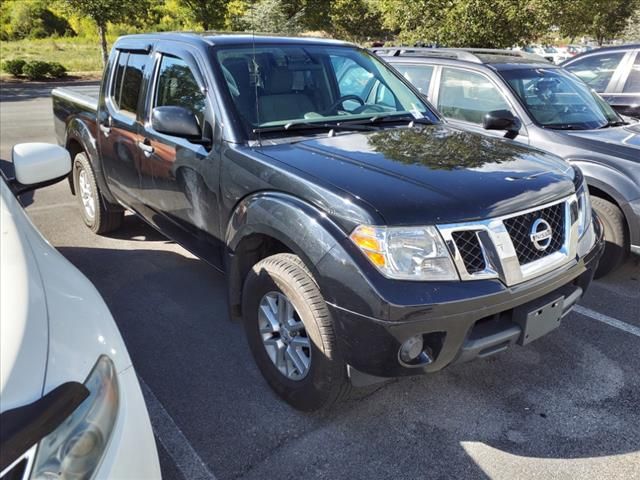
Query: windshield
<point>557,99</point>
<point>279,85</point>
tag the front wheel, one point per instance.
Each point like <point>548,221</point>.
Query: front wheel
<point>615,235</point>
<point>291,334</point>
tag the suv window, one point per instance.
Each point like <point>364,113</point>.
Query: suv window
<point>596,70</point>
<point>178,87</point>
<point>419,75</point>
<point>128,81</point>
<point>468,96</point>
<point>632,85</point>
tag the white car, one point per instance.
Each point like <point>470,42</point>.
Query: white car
<point>70,402</point>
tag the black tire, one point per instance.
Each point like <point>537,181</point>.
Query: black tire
<point>326,381</point>
<point>615,235</point>
<point>106,218</point>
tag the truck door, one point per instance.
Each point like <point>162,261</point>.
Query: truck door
<point>119,125</point>
<point>180,176</point>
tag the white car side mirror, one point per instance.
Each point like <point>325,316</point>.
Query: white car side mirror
<point>40,163</point>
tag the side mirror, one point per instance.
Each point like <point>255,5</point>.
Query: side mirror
<point>38,165</point>
<point>176,121</point>
<point>502,120</point>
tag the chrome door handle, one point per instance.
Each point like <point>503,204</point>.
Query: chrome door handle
<point>105,130</point>
<point>146,149</point>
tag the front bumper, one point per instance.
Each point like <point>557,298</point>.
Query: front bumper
<point>473,320</point>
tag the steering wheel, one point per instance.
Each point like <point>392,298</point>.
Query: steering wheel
<point>340,101</point>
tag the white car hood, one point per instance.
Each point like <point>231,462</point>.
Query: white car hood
<point>24,329</point>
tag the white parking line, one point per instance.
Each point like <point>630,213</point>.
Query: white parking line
<point>614,322</point>
<point>173,440</point>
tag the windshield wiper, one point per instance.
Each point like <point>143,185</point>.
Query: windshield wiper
<point>567,126</point>
<point>311,126</point>
<point>390,117</point>
<point>614,123</point>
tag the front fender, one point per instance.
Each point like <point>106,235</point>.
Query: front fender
<point>619,186</point>
<point>305,231</point>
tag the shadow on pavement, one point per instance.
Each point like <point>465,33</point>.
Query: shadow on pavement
<point>16,92</point>
<point>561,397</point>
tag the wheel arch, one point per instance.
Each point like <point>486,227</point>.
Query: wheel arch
<point>611,185</point>
<point>267,223</point>
<point>80,138</point>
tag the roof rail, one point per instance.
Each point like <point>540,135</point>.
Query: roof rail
<point>465,54</point>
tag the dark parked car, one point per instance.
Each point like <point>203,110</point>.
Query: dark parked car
<point>362,237</point>
<point>613,72</point>
<point>507,94</point>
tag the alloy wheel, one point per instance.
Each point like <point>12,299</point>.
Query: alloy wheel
<point>284,336</point>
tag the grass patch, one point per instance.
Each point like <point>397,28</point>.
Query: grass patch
<point>76,54</point>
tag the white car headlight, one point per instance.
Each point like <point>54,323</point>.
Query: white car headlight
<point>75,448</point>
<point>584,210</point>
<point>406,253</point>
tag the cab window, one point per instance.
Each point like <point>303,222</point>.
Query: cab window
<point>177,86</point>
<point>127,82</point>
<point>468,96</point>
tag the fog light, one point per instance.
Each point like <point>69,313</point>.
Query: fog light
<point>411,349</point>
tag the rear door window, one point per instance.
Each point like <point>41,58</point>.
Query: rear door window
<point>418,75</point>
<point>127,84</point>
<point>597,70</point>
<point>468,96</point>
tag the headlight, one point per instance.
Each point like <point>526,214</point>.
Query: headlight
<point>406,253</point>
<point>584,210</point>
<point>75,448</point>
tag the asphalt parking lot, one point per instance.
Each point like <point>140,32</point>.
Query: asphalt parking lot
<point>566,406</point>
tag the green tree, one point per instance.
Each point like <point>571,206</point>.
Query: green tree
<point>103,12</point>
<point>468,23</point>
<point>272,16</point>
<point>355,19</point>
<point>600,19</point>
<point>208,13</point>
<point>31,19</point>
<point>632,31</point>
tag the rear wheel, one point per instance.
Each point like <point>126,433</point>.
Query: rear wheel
<point>97,214</point>
<point>615,235</point>
<point>291,335</point>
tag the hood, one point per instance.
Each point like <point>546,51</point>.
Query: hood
<point>622,142</point>
<point>431,174</point>
<point>23,311</point>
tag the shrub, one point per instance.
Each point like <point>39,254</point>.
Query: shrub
<point>14,67</point>
<point>57,70</point>
<point>36,70</point>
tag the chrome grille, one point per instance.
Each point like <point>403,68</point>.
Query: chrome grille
<point>504,247</point>
<point>519,229</point>
<point>469,247</point>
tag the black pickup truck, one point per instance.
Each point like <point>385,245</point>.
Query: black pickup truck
<point>363,238</point>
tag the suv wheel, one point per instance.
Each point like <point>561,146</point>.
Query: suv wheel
<point>291,334</point>
<point>97,214</point>
<point>615,235</point>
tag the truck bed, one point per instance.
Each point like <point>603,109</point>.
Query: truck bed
<point>71,103</point>
<point>86,95</point>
